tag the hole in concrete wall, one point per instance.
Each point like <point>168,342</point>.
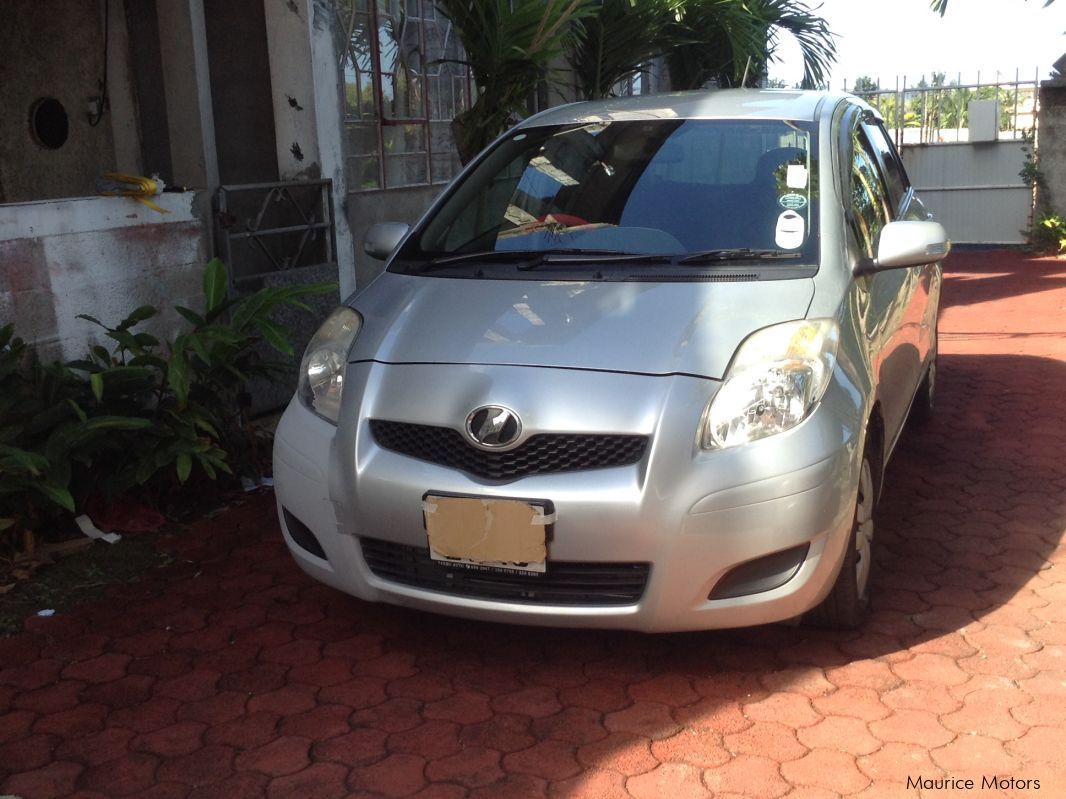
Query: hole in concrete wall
<point>48,122</point>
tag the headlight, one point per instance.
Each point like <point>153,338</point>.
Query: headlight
<point>322,367</point>
<point>777,377</point>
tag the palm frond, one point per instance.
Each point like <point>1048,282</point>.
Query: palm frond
<point>714,41</point>
<point>509,46</point>
<point>614,43</point>
<point>810,32</point>
<point>941,6</point>
<point>729,39</point>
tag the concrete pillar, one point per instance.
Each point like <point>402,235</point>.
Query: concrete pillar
<point>308,112</point>
<point>123,109</point>
<point>289,49</point>
<point>187,82</point>
<point>1051,144</point>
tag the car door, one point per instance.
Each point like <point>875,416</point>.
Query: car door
<point>922,314</point>
<point>889,298</point>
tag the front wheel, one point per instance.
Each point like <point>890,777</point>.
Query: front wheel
<point>847,602</point>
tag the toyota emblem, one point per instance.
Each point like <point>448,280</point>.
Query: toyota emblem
<point>493,427</point>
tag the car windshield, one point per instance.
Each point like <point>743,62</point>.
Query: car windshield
<point>685,193</point>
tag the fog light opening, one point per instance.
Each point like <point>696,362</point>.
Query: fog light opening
<point>301,534</point>
<point>762,574</point>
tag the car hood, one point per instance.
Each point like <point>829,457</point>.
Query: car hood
<point>690,327</point>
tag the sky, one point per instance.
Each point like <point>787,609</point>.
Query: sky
<point>887,39</point>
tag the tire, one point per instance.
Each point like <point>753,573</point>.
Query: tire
<point>847,603</point>
<point>925,399</point>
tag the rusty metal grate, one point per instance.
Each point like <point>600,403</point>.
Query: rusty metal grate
<point>265,228</point>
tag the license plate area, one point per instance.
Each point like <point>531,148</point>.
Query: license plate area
<point>489,533</point>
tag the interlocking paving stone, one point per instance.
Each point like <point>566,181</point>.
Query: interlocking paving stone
<point>233,675</point>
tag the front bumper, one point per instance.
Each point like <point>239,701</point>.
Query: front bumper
<point>694,517</point>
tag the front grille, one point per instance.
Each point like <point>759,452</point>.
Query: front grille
<point>576,584</point>
<point>545,453</point>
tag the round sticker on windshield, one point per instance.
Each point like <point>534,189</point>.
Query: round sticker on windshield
<point>793,202</point>
<point>790,231</point>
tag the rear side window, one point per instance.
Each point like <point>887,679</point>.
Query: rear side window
<point>895,176</point>
<point>870,205</point>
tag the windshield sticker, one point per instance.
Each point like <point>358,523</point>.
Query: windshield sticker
<point>796,177</point>
<point>790,231</point>
<point>792,202</point>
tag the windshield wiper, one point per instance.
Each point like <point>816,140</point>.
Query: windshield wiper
<point>478,255</point>
<point>592,257</point>
<point>534,259</point>
<point>737,254</point>
<point>531,259</point>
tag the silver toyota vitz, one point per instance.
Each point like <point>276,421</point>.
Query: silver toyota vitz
<point>641,365</point>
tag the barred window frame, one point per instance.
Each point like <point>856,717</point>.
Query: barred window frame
<point>400,95</point>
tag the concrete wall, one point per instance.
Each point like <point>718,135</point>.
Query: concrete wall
<point>56,49</point>
<point>1052,145</point>
<point>101,256</point>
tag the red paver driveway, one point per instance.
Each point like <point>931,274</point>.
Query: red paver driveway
<point>234,675</point>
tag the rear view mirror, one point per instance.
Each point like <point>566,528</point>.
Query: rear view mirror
<point>911,244</point>
<point>382,238</point>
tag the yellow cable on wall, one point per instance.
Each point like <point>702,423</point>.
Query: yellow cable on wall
<point>140,188</point>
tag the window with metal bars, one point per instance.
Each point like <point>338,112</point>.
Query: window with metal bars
<point>402,89</point>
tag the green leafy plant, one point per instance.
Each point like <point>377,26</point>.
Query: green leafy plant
<point>1030,172</point>
<point>147,414</point>
<point>190,387</point>
<point>616,42</point>
<point>45,430</point>
<point>726,40</point>
<point>509,46</point>
<point>1050,233</point>
<point>941,6</point>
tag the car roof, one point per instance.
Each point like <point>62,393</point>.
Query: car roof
<point>706,104</point>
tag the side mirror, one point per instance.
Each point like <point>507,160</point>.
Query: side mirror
<point>382,238</point>
<point>911,244</point>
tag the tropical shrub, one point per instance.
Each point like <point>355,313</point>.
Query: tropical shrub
<point>45,431</point>
<point>1049,233</point>
<point>509,45</point>
<point>147,414</point>
<point>614,43</point>
<point>728,40</point>
<point>190,388</point>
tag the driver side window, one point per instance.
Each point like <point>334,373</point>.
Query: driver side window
<point>870,206</point>
<point>895,175</point>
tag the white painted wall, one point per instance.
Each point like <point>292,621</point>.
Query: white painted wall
<point>289,50</point>
<point>329,112</point>
<point>102,256</point>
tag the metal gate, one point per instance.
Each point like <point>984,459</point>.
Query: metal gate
<point>973,187</point>
<point>279,234</point>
